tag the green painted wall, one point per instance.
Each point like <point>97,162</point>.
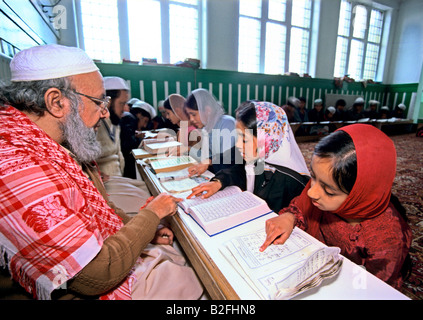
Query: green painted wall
<point>155,83</point>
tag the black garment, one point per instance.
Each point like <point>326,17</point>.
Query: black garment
<point>159,122</point>
<point>352,115</point>
<point>372,114</point>
<point>315,116</point>
<point>128,141</point>
<point>225,160</point>
<point>340,115</point>
<point>277,187</point>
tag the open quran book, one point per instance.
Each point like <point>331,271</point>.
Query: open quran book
<point>225,209</point>
<point>282,271</point>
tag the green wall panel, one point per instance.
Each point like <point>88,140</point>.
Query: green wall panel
<point>155,83</point>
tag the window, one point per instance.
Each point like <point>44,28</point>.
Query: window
<point>101,30</point>
<point>144,22</point>
<point>184,30</point>
<point>359,41</point>
<point>166,30</point>
<point>275,36</point>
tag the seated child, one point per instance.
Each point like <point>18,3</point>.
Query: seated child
<point>272,165</point>
<point>348,203</point>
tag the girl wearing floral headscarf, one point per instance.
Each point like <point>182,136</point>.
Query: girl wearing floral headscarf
<point>272,166</point>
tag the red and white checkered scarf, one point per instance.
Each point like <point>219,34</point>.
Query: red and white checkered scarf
<point>53,221</point>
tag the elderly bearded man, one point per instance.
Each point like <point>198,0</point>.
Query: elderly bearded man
<point>57,228</point>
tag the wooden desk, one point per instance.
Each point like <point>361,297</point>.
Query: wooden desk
<point>224,283</point>
<point>213,280</point>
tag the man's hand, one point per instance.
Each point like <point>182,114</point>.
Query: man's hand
<point>164,205</point>
<point>163,236</point>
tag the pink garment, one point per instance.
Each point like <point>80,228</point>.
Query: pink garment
<point>53,221</point>
<point>382,240</point>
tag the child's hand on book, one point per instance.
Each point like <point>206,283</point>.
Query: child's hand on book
<point>205,190</point>
<point>278,229</point>
<point>198,169</point>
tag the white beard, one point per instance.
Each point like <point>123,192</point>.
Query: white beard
<point>81,140</point>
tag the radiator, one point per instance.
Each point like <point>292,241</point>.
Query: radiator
<point>5,75</point>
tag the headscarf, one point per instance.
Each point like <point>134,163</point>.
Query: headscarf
<point>210,110</point>
<point>177,103</point>
<point>371,193</point>
<point>146,107</point>
<point>275,141</point>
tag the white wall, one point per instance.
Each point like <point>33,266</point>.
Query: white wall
<point>222,34</point>
<point>407,44</point>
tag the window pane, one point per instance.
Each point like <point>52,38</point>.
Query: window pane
<point>277,10</point>
<point>144,22</point>
<point>370,66</point>
<point>298,51</point>
<point>361,65</point>
<point>301,13</point>
<point>356,59</point>
<point>183,33</point>
<point>275,48</point>
<point>341,56</point>
<point>249,45</point>
<point>360,22</point>
<point>376,25</point>
<point>344,19</point>
<point>101,30</point>
<point>251,8</point>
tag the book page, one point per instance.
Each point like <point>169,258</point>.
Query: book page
<point>178,185</point>
<point>228,191</point>
<point>277,272</point>
<point>226,206</point>
<point>173,175</point>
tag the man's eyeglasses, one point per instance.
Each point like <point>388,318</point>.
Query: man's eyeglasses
<point>102,103</point>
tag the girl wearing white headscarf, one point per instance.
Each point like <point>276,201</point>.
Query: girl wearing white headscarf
<point>273,166</point>
<point>217,131</point>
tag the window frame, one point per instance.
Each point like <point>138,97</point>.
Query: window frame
<point>264,19</point>
<point>364,40</point>
<point>124,28</point>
